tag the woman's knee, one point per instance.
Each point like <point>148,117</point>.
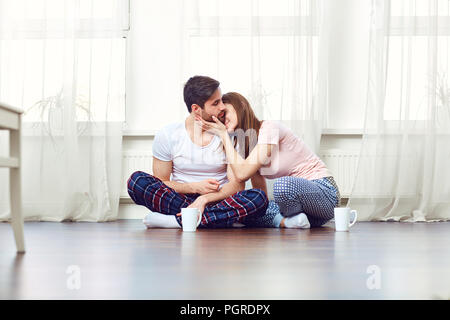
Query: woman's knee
<point>279,186</point>
<point>287,188</point>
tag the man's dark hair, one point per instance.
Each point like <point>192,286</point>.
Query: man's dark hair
<point>198,90</point>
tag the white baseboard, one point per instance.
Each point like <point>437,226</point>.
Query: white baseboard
<point>132,211</point>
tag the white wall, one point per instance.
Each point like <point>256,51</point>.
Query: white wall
<point>348,62</point>
<point>154,84</point>
<point>155,54</point>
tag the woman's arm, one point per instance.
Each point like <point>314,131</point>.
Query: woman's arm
<point>259,182</point>
<point>244,169</point>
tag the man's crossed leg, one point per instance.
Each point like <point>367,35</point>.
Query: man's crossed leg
<point>149,191</point>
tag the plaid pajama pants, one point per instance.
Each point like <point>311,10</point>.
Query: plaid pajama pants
<point>149,191</point>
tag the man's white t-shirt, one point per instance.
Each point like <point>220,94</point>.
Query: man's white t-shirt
<point>191,163</point>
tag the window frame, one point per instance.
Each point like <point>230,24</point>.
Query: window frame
<point>40,29</point>
<point>50,28</point>
<point>400,26</point>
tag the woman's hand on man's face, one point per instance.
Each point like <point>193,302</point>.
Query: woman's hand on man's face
<point>216,127</point>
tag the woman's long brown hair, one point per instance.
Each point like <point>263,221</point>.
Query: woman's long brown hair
<point>245,116</point>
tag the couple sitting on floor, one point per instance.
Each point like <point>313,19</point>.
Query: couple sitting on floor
<point>211,155</point>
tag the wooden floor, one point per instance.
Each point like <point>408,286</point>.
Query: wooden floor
<point>123,260</point>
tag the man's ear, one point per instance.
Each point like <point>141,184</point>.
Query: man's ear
<point>196,109</point>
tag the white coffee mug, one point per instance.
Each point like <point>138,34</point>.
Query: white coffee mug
<point>342,218</point>
<point>190,219</point>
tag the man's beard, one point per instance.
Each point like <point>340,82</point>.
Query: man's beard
<point>208,117</point>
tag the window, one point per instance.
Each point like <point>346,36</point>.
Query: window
<point>47,43</point>
<point>409,76</point>
<point>263,47</point>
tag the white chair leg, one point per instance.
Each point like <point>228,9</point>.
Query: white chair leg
<point>16,193</point>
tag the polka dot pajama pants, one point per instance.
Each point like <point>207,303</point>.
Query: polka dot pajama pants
<point>293,195</point>
<point>316,198</point>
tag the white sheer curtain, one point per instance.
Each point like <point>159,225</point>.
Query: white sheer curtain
<point>404,172</point>
<point>272,52</point>
<point>63,62</point>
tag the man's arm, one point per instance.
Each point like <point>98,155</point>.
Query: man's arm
<point>233,186</point>
<point>163,169</point>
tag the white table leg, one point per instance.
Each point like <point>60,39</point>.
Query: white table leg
<point>16,191</point>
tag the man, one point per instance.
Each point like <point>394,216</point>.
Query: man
<point>201,177</point>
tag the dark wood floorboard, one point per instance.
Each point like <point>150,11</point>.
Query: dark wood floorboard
<point>123,260</point>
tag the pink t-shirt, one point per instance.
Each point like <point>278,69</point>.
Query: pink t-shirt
<point>290,155</point>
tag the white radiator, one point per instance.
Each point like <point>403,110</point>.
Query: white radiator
<point>342,163</point>
<point>134,160</point>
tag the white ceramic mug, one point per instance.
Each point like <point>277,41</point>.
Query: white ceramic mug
<point>190,219</point>
<point>342,218</point>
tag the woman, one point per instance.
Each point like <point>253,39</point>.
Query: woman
<point>305,193</point>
